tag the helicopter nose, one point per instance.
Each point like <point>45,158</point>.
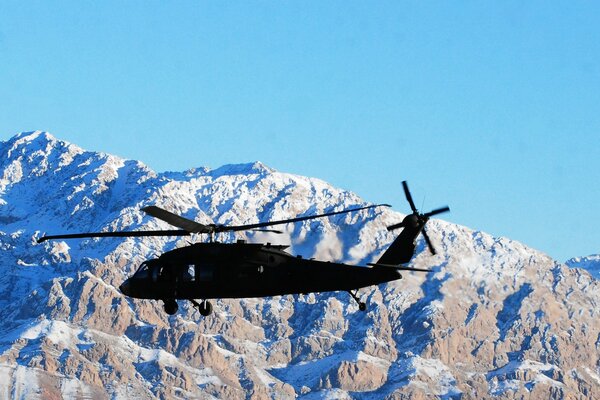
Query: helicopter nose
<point>125,288</point>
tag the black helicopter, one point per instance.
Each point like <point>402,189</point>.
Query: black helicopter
<point>238,270</point>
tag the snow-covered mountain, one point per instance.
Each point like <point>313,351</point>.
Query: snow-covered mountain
<point>494,319</point>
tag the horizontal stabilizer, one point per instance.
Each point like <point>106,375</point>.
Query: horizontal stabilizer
<point>399,267</point>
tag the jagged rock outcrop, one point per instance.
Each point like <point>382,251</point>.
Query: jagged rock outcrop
<point>494,319</point>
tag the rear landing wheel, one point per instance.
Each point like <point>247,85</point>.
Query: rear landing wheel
<point>170,306</point>
<point>362,306</point>
<point>205,308</point>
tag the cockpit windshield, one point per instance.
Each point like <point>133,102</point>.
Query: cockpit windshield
<point>143,271</point>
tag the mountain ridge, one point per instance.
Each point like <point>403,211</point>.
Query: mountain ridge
<point>494,319</point>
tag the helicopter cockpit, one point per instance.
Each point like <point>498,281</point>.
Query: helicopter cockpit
<point>143,272</point>
<point>150,269</point>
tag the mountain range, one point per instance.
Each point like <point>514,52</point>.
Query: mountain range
<point>494,318</point>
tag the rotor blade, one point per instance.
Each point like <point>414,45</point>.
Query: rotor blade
<point>414,269</point>
<point>436,211</point>
<point>399,267</point>
<point>267,230</point>
<point>395,226</point>
<point>237,228</point>
<point>177,220</point>
<point>429,244</point>
<point>409,197</point>
<point>114,234</point>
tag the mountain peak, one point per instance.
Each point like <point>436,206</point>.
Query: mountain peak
<point>255,167</point>
<point>34,138</point>
<point>35,135</point>
<point>32,141</point>
<point>32,154</point>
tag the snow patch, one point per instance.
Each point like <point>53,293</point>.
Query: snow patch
<point>509,377</point>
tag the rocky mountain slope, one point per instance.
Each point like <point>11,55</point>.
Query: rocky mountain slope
<point>494,319</point>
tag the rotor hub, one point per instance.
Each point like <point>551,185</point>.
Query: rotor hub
<point>412,221</point>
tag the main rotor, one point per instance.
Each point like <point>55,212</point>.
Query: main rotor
<point>188,226</point>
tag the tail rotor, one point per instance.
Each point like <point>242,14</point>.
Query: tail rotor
<point>416,220</point>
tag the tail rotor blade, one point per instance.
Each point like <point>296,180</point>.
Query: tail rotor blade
<point>436,212</point>
<point>429,244</point>
<point>395,226</point>
<point>409,197</point>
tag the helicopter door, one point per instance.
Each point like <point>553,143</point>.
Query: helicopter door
<point>155,272</point>
<point>206,272</point>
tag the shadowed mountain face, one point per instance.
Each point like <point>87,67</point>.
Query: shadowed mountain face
<point>494,319</point>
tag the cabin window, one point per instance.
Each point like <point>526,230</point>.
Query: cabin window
<point>189,273</point>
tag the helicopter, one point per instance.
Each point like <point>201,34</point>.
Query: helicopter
<point>213,270</point>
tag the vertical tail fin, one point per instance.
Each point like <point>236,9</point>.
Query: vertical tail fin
<point>402,249</point>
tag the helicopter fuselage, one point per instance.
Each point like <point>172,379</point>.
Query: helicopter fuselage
<point>240,270</point>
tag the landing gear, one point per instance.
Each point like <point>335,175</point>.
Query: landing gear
<point>170,306</point>
<point>362,306</point>
<point>205,307</point>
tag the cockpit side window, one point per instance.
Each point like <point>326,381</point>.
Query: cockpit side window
<point>143,271</point>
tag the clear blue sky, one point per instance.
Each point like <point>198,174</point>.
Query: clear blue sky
<point>490,107</point>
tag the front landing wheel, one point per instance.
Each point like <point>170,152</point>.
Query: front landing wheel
<point>170,306</point>
<point>205,308</point>
<point>362,306</point>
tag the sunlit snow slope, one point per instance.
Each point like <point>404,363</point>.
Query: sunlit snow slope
<point>494,319</point>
